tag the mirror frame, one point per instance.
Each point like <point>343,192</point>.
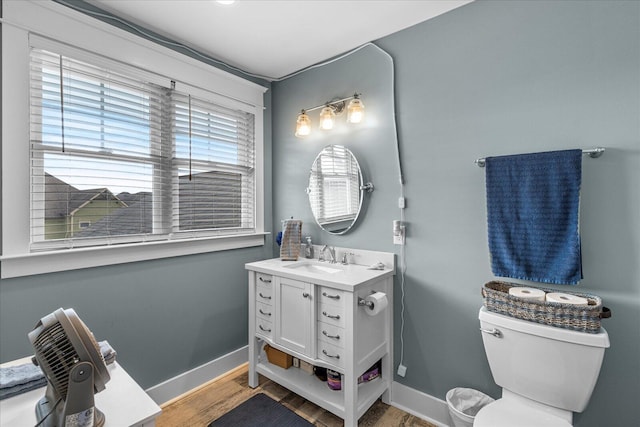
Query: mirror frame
<point>362,188</point>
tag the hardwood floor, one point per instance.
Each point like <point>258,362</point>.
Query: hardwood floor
<point>208,402</point>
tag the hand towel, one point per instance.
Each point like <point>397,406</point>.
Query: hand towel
<point>108,353</point>
<point>20,374</point>
<point>291,238</point>
<point>533,205</point>
<point>20,379</point>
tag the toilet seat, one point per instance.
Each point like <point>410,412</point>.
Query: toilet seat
<point>508,413</point>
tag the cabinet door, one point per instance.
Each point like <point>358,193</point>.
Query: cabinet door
<point>294,315</point>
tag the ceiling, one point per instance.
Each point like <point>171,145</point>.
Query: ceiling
<point>273,39</point>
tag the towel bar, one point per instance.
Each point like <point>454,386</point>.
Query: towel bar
<point>592,152</point>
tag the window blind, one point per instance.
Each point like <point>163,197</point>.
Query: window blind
<point>214,162</point>
<point>118,160</point>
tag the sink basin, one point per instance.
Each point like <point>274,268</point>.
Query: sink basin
<point>314,268</point>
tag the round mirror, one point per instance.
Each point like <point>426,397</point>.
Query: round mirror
<point>336,189</point>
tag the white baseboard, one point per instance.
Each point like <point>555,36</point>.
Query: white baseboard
<point>420,404</point>
<point>180,384</point>
<point>410,400</point>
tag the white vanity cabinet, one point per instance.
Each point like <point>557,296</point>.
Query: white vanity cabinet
<point>313,314</point>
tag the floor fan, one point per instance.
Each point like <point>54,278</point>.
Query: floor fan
<point>70,357</point>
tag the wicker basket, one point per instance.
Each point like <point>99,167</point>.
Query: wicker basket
<point>569,316</point>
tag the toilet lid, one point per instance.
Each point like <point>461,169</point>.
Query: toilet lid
<point>512,414</point>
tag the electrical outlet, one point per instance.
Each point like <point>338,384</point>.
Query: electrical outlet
<point>402,370</point>
<point>398,239</point>
<point>398,232</point>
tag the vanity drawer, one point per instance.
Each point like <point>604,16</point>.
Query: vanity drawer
<point>264,291</point>
<point>331,354</point>
<point>331,334</point>
<point>331,314</point>
<point>265,311</point>
<point>330,296</point>
<point>264,328</point>
<point>264,279</point>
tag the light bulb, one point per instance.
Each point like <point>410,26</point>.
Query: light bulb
<point>326,118</point>
<point>303,125</point>
<point>355,110</point>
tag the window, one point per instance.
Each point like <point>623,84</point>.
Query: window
<point>119,160</point>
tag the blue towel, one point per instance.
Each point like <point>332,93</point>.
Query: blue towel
<point>20,379</point>
<point>20,374</point>
<point>533,203</point>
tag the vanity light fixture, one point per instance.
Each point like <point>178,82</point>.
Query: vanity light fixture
<point>355,114</point>
<point>303,124</point>
<point>327,117</point>
<point>355,110</point>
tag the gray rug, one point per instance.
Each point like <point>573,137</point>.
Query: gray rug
<point>260,411</point>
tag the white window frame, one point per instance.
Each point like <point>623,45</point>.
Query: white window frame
<point>25,21</point>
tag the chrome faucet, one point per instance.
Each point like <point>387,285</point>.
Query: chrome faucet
<point>332,252</point>
<point>345,258</point>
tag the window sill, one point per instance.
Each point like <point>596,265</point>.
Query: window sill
<point>74,259</point>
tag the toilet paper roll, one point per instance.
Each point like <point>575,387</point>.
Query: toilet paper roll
<point>566,298</point>
<point>379,301</point>
<point>527,293</point>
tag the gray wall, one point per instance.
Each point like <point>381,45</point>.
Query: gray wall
<point>489,78</point>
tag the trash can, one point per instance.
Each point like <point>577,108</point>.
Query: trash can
<point>464,404</point>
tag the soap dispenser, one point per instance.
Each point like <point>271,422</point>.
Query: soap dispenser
<point>308,249</point>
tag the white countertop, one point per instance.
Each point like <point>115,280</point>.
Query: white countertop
<point>345,277</point>
<point>123,402</point>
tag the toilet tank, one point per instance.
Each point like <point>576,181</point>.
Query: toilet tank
<point>554,366</point>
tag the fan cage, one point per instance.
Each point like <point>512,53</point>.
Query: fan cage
<point>62,341</point>
<point>56,352</point>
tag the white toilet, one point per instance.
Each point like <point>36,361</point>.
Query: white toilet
<point>546,373</point>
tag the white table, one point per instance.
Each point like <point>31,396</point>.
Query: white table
<point>123,402</point>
